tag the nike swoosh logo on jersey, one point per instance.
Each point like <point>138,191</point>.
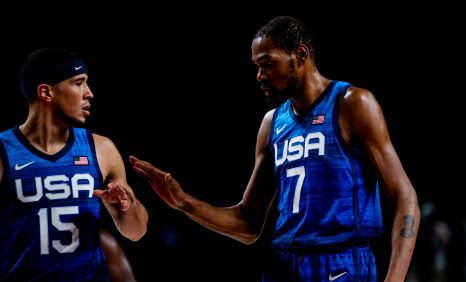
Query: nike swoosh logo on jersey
<point>280,129</point>
<point>333,278</point>
<point>20,167</point>
<point>77,68</point>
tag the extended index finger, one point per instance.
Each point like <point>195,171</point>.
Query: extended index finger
<point>146,169</point>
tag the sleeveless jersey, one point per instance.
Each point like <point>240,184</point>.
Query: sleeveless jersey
<point>327,191</point>
<point>49,220</point>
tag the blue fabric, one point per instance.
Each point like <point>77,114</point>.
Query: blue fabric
<point>327,191</point>
<point>49,220</point>
<point>352,264</point>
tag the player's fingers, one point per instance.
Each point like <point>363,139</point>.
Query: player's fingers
<point>146,166</point>
<point>156,177</point>
<point>133,159</point>
<point>100,193</point>
<point>142,173</point>
<point>111,186</point>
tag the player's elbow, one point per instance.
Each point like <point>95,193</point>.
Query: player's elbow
<point>252,234</point>
<point>411,202</point>
<point>249,238</point>
<point>133,232</point>
<point>136,236</point>
<point>252,228</point>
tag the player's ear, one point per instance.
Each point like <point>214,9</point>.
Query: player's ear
<point>44,91</point>
<point>302,53</point>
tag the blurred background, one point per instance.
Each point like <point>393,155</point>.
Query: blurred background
<point>175,85</point>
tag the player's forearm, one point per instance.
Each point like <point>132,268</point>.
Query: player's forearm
<point>400,260</point>
<point>133,222</point>
<point>403,239</point>
<point>231,221</point>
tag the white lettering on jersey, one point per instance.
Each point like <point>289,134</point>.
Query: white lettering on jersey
<point>298,147</point>
<point>57,187</point>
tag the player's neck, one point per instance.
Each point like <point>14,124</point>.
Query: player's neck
<point>45,137</point>
<point>311,90</point>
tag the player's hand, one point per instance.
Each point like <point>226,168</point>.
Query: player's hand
<point>116,195</point>
<point>161,182</point>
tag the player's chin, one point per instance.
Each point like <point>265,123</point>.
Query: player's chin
<point>78,121</point>
<point>82,119</point>
<point>268,92</point>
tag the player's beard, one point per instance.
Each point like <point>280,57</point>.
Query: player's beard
<point>69,119</point>
<point>278,97</point>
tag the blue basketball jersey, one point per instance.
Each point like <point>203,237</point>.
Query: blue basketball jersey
<point>327,191</point>
<point>49,220</point>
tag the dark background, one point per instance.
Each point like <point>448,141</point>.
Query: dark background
<point>174,84</point>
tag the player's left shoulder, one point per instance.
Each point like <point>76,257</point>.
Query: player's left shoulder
<point>357,97</point>
<point>103,143</point>
<point>354,93</point>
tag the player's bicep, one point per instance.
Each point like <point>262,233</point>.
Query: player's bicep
<point>369,129</point>
<point>110,161</point>
<point>260,191</point>
<point>363,119</point>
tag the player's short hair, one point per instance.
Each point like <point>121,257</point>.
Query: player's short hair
<point>50,66</point>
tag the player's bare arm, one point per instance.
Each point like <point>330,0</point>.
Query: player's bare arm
<point>363,122</point>
<point>128,214</point>
<point>243,221</point>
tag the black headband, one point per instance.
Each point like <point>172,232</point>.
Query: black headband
<point>52,76</point>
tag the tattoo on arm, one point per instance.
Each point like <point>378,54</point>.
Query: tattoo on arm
<point>408,231</point>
